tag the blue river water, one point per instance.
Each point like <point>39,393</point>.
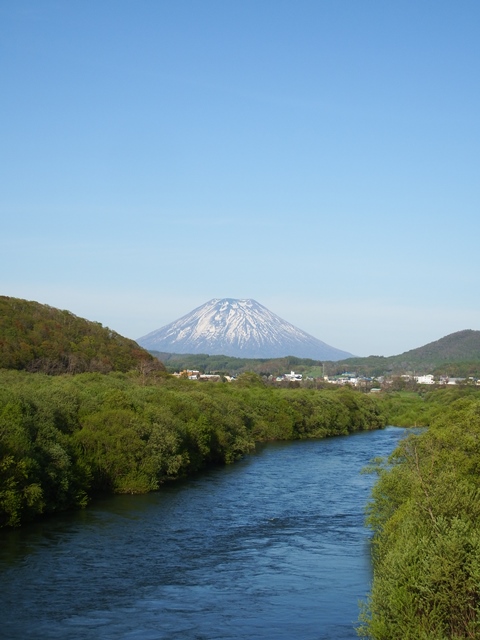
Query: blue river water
<point>272,547</point>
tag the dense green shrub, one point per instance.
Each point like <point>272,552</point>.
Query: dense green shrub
<point>66,438</point>
<point>425,516</point>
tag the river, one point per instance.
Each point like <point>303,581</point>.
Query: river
<point>272,547</point>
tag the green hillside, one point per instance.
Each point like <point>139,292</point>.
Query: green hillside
<point>462,346</point>
<point>39,338</point>
<point>455,354</point>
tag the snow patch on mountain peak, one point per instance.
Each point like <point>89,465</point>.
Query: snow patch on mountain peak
<point>241,328</point>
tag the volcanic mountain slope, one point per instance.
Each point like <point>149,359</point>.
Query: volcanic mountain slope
<point>240,328</point>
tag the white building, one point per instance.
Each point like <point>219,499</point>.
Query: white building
<point>291,377</point>
<point>428,379</point>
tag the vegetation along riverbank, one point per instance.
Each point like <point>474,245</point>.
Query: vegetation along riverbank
<point>67,438</point>
<point>425,517</point>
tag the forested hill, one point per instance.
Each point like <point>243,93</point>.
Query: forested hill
<point>459,347</point>
<point>462,346</point>
<point>39,338</point>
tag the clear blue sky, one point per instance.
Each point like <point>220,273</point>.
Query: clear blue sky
<point>319,156</point>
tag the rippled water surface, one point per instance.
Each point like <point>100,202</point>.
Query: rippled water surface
<point>271,547</point>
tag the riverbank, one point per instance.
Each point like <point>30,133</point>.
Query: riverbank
<point>425,516</point>
<point>65,439</point>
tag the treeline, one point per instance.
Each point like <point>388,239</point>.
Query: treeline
<point>420,408</point>
<point>458,370</point>
<point>425,517</point>
<point>38,338</point>
<point>234,366</point>
<point>64,439</point>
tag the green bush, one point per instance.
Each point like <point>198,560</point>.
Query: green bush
<point>425,516</point>
<point>66,438</point>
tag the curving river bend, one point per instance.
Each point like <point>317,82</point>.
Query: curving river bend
<point>272,547</point>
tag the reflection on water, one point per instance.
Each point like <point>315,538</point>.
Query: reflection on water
<point>271,547</point>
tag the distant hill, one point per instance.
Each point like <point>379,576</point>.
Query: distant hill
<point>39,338</point>
<point>238,328</point>
<point>457,354</point>
<point>450,351</point>
<point>234,366</point>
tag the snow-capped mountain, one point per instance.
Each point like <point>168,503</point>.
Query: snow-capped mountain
<point>240,328</point>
